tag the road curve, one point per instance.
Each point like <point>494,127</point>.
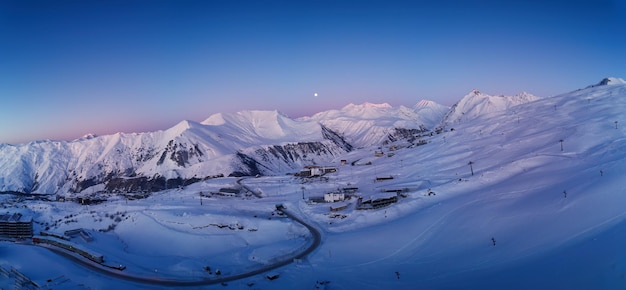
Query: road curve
<point>315,233</point>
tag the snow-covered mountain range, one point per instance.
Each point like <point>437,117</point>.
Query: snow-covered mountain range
<point>243,143</point>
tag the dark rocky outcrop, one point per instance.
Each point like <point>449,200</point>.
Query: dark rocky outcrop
<point>179,153</point>
<point>331,135</point>
<point>405,134</point>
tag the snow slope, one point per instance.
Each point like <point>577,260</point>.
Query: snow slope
<point>430,113</point>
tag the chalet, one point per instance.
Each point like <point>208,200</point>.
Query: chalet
<point>316,199</point>
<point>379,153</point>
<point>229,191</point>
<point>377,200</point>
<point>384,178</point>
<point>396,190</point>
<point>343,162</point>
<point>89,200</point>
<point>16,226</point>
<point>71,233</point>
<point>334,197</point>
<point>349,190</point>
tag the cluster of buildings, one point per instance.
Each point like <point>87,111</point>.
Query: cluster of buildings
<point>373,201</point>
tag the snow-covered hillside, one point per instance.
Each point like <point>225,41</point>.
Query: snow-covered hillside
<point>477,104</point>
<point>368,124</point>
<point>530,196</point>
<point>430,113</point>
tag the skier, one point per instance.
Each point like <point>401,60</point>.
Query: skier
<point>564,194</point>
<point>398,275</point>
<point>493,240</point>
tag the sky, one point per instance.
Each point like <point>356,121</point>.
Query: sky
<point>69,68</point>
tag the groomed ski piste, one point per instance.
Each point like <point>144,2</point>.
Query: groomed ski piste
<point>532,197</point>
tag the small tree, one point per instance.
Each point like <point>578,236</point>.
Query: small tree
<point>471,168</point>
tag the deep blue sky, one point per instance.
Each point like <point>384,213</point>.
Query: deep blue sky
<point>68,68</point>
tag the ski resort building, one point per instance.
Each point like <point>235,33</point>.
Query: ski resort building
<point>384,178</point>
<point>334,197</point>
<point>229,191</point>
<point>377,200</point>
<point>16,226</point>
<point>312,171</point>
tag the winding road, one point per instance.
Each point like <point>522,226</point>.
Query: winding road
<point>315,233</point>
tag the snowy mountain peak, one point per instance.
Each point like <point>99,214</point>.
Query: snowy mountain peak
<point>260,124</point>
<point>608,81</point>
<point>366,110</point>
<point>261,114</point>
<point>611,81</point>
<point>183,125</point>
<point>223,118</point>
<point>214,120</point>
<point>179,128</point>
<point>366,105</point>
<point>425,104</point>
<point>88,136</point>
<point>373,105</point>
